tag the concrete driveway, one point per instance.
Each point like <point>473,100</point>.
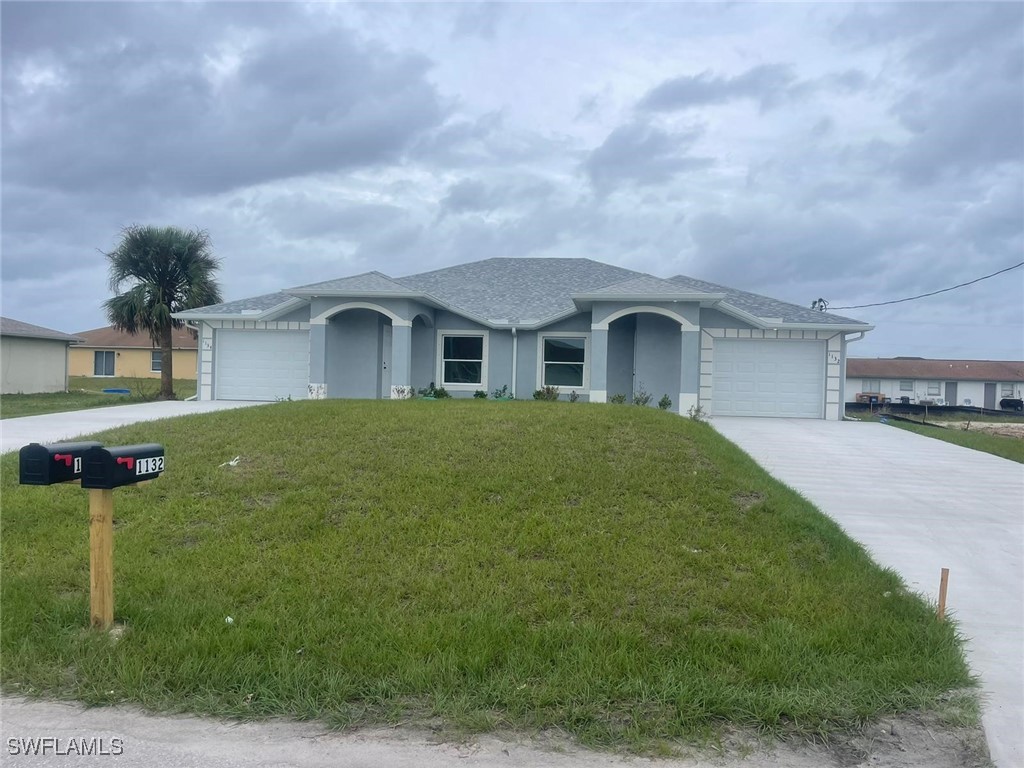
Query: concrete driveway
<point>54,427</point>
<point>918,505</point>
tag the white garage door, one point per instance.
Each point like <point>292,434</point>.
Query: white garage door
<point>261,365</point>
<point>753,377</point>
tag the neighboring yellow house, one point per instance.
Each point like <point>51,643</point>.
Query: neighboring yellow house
<point>110,352</point>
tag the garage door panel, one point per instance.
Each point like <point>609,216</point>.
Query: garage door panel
<point>261,365</point>
<point>768,378</point>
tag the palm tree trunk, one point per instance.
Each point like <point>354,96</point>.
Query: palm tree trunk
<point>166,371</point>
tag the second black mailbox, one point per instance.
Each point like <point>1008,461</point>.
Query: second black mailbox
<point>123,465</point>
<point>49,464</point>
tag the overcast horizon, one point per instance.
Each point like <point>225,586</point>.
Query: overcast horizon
<point>856,153</point>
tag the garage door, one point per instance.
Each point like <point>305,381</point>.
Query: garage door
<point>261,365</point>
<point>768,378</point>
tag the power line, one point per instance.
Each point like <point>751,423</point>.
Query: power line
<point>924,295</point>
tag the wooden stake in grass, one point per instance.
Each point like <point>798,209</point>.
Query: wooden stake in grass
<point>101,558</point>
<point>943,583</point>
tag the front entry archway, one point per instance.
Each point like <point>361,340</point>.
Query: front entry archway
<point>358,354</point>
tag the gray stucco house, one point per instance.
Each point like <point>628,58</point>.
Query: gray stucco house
<point>32,358</point>
<point>576,324</point>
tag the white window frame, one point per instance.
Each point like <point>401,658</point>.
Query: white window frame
<point>459,387</point>
<point>104,352</point>
<point>909,385</point>
<point>1006,389</point>
<point>936,386</point>
<point>877,388</point>
<point>153,367</point>
<point>585,389</point>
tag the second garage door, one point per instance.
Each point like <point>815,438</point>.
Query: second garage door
<point>754,377</point>
<point>262,365</point>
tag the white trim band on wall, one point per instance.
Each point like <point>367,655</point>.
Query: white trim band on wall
<point>603,325</point>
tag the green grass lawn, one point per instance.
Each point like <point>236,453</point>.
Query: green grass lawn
<point>1011,448</point>
<point>619,573</point>
<point>87,392</point>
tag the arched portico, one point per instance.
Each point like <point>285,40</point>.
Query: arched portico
<point>650,348</point>
<point>365,349</point>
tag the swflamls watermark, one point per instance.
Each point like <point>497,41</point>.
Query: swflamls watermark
<point>55,745</point>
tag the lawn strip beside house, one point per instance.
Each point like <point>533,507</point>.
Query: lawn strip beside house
<point>87,392</point>
<point>619,573</point>
<point>1011,448</point>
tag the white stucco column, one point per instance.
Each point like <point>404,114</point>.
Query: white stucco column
<point>317,360</point>
<point>599,364</point>
<point>689,370</point>
<point>401,360</point>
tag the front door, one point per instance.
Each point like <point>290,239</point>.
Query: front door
<point>950,393</point>
<point>990,396</point>
<point>385,362</point>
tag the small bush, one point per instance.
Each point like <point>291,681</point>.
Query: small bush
<point>642,397</point>
<point>573,397</point>
<point>665,403</point>
<point>480,395</point>
<point>501,393</point>
<point>438,393</point>
<point>697,412</point>
<point>546,393</point>
<point>617,398</point>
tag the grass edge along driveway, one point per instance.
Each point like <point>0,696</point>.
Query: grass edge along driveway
<point>1011,448</point>
<point>619,573</point>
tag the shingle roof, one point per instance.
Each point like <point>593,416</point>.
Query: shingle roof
<point>526,291</point>
<point>765,306</point>
<point>643,285</point>
<point>253,305</point>
<point>916,368</point>
<point>9,327</point>
<point>181,338</point>
<point>368,282</point>
<point>529,292</point>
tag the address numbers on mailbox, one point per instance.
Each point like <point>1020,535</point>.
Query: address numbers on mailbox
<point>124,465</point>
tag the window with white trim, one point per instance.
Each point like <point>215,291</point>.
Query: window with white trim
<point>906,385</point>
<point>102,363</point>
<point>155,360</point>
<point>463,359</point>
<point>934,388</point>
<point>872,385</point>
<point>563,361</point>
<point>1006,389</point>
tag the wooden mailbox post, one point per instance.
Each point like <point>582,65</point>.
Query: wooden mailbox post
<point>101,470</point>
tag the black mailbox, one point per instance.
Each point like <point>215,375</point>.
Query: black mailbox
<point>49,464</point>
<point>124,465</point>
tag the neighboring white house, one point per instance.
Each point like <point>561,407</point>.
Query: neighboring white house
<point>33,359</point>
<point>979,383</point>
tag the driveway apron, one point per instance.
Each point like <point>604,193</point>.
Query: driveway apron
<point>918,505</point>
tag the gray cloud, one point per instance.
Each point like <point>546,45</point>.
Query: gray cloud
<point>935,38</point>
<point>768,85</point>
<point>473,195</point>
<point>303,215</point>
<point>642,154</point>
<point>960,131</point>
<point>297,104</point>
<point>319,140</point>
<point>478,20</point>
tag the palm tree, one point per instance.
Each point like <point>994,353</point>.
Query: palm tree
<point>166,270</point>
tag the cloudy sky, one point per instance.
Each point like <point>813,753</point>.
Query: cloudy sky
<point>856,153</point>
